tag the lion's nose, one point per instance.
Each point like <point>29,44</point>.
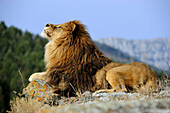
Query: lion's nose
<point>47,25</point>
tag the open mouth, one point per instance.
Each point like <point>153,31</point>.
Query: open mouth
<point>46,33</point>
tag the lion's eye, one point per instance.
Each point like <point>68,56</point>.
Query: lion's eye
<point>58,26</point>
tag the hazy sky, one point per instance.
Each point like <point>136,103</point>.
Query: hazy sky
<point>132,19</point>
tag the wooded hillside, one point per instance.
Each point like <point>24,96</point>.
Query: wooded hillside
<point>18,51</point>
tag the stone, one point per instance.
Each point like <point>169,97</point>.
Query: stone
<point>40,90</point>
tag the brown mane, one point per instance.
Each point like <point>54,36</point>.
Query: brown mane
<point>74,59</point>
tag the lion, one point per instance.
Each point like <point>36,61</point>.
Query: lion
<point>71,58</point>
<point>136,77</point>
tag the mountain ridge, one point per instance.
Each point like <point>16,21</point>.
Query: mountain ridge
<point>154,51</point>
<point>114,53</point>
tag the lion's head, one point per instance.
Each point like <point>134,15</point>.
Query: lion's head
<point>71,57</point>
<point>52,31</point>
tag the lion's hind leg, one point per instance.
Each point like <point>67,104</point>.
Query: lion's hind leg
<point>150,86</point>
<point>100,80</point>
<point>116,80</point>
<point>153,81</point>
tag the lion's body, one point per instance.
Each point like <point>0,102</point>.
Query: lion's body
<point>136,76</point>
<point>71,59</point>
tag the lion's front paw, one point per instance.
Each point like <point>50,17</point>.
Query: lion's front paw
<point>40,75</point>
<point>97,92</point>
<point>32,77</point>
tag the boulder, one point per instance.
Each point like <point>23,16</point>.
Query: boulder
<point>40,90</point>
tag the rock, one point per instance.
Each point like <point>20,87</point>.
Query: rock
<point>41,91</point>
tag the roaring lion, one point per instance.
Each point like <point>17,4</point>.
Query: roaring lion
<point>136,77</point>
<point>71,57</point>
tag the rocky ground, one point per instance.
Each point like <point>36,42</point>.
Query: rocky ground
<point>41,100</point>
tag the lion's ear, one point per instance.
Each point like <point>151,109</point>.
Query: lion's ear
<point>72,26</point>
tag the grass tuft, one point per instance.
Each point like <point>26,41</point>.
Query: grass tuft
<point>25,105</point>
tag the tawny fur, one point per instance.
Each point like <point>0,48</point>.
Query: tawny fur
<point>136,76</point>
<point>71,58</point>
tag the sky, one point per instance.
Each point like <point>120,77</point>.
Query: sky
<point>130,19</point>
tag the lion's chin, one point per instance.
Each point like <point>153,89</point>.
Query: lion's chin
<point>43,34</point>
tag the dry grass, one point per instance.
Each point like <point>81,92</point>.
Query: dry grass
<point>26,105</point>
<point>21,78</point>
